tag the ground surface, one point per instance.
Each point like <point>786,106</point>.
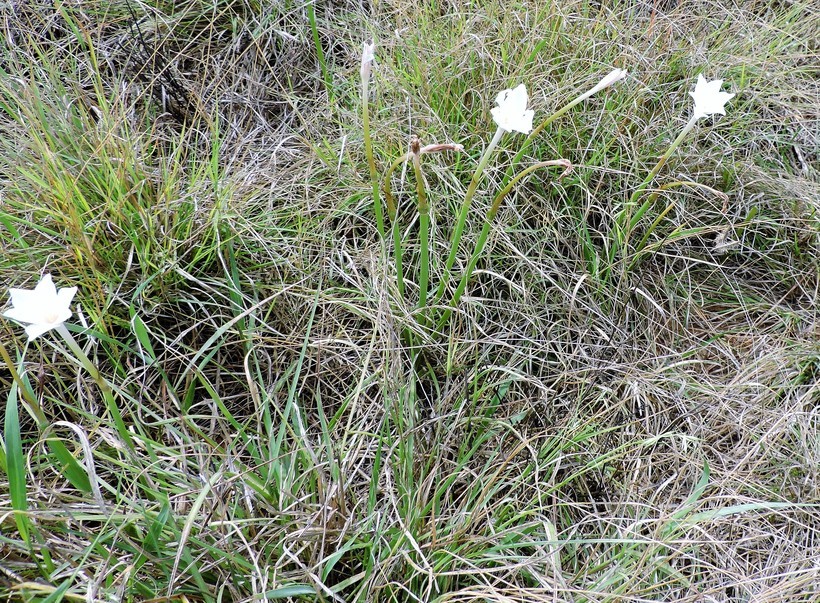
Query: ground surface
<point>609,412</point>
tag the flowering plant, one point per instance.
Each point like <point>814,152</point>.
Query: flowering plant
<point>708,100</point>
<point>42,308</point>
<point>708,97</point>
<point>512,114</point>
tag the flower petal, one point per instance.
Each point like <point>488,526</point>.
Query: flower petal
<point>23,298</point>
<point>708,97</point>
<point>368,56</point>
<point>610,78</point>
<point>64,297</point>
<point>25,314</point>
<point>512,114</point>
<point>35,330</point>
<point>42,308</point>
<point>45,288</point>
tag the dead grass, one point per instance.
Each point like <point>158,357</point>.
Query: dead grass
<point>652,436</point>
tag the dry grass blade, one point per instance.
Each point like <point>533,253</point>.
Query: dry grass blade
<point>198,171</point>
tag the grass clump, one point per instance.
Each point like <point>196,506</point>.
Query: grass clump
<point>593,418</point>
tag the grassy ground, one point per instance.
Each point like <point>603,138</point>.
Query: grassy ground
<point>599,418</point>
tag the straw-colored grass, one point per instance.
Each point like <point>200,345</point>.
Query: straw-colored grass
<point>590,425</point>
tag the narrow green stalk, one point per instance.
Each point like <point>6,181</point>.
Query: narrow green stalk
<point>485,231</point>
<point>32,404</point>
<point>424,225</point>
<point>651,176</point>
<point>371,162</point>
<point>69,466</point>
<point>387,188</point>
<point>105,388</point>
<point>14,466</point>
<point>390,201</point>
<point>465,209</point>
<point>624,223</point>
<point>392,212</point>
<point>320,53</point>
<point>462,285</point>
<point>397,256</point>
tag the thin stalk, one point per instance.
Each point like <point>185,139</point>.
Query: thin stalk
<point>626,223</point>
<point>70,468</point>
<point>390,201</point>
<point>397,256</point>
<point>371,162</point>
<point>485,231</point>
<point>32,404</point>
<point>465,209</point>
<point>387,188</point>
<point>424,225</point>
<point>392,211</point>
<point>320,54</point>
<point>651,176</point>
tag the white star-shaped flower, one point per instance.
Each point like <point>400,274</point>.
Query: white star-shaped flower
<point>512,114</point>
<point>708,97</point>
<point>42,308</point>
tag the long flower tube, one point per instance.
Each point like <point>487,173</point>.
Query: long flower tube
<point>366,69</point>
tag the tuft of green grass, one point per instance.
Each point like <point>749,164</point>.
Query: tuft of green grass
<point>198,170</point>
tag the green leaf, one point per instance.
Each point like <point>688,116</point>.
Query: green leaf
<point>152,538</point>
<point>58,594</point>
<point>16,466</point>
<point>141,331</point>
<point>69,467</point>
<point>296,590</point>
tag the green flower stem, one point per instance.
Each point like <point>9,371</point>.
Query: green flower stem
<point>78,476</point>
<point>387,188</point>
<point>465,208</point>
<point>485,231</point>
<point>392,211</point>
<point>32,404</point>
<point>651,176</point>
<point>424,227</point>
<point>528,141</point>
<point>105,388</point>
<point>397,256</point>
<point>371,162</point>
<point>624,223</point>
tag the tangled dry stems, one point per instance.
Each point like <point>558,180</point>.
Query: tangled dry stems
<point>651,439</point>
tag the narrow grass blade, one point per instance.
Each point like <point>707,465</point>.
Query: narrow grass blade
<point>296,590</point>
<point>16,466</point>
<point>320,53</point>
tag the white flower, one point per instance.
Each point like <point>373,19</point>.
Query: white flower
<point>40,309</point>
<point>512,114</point>
<point>613,76</point>
<point>368,56</point>
<point>708,97</point>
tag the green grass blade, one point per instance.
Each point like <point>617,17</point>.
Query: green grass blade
<point>16,466</point>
